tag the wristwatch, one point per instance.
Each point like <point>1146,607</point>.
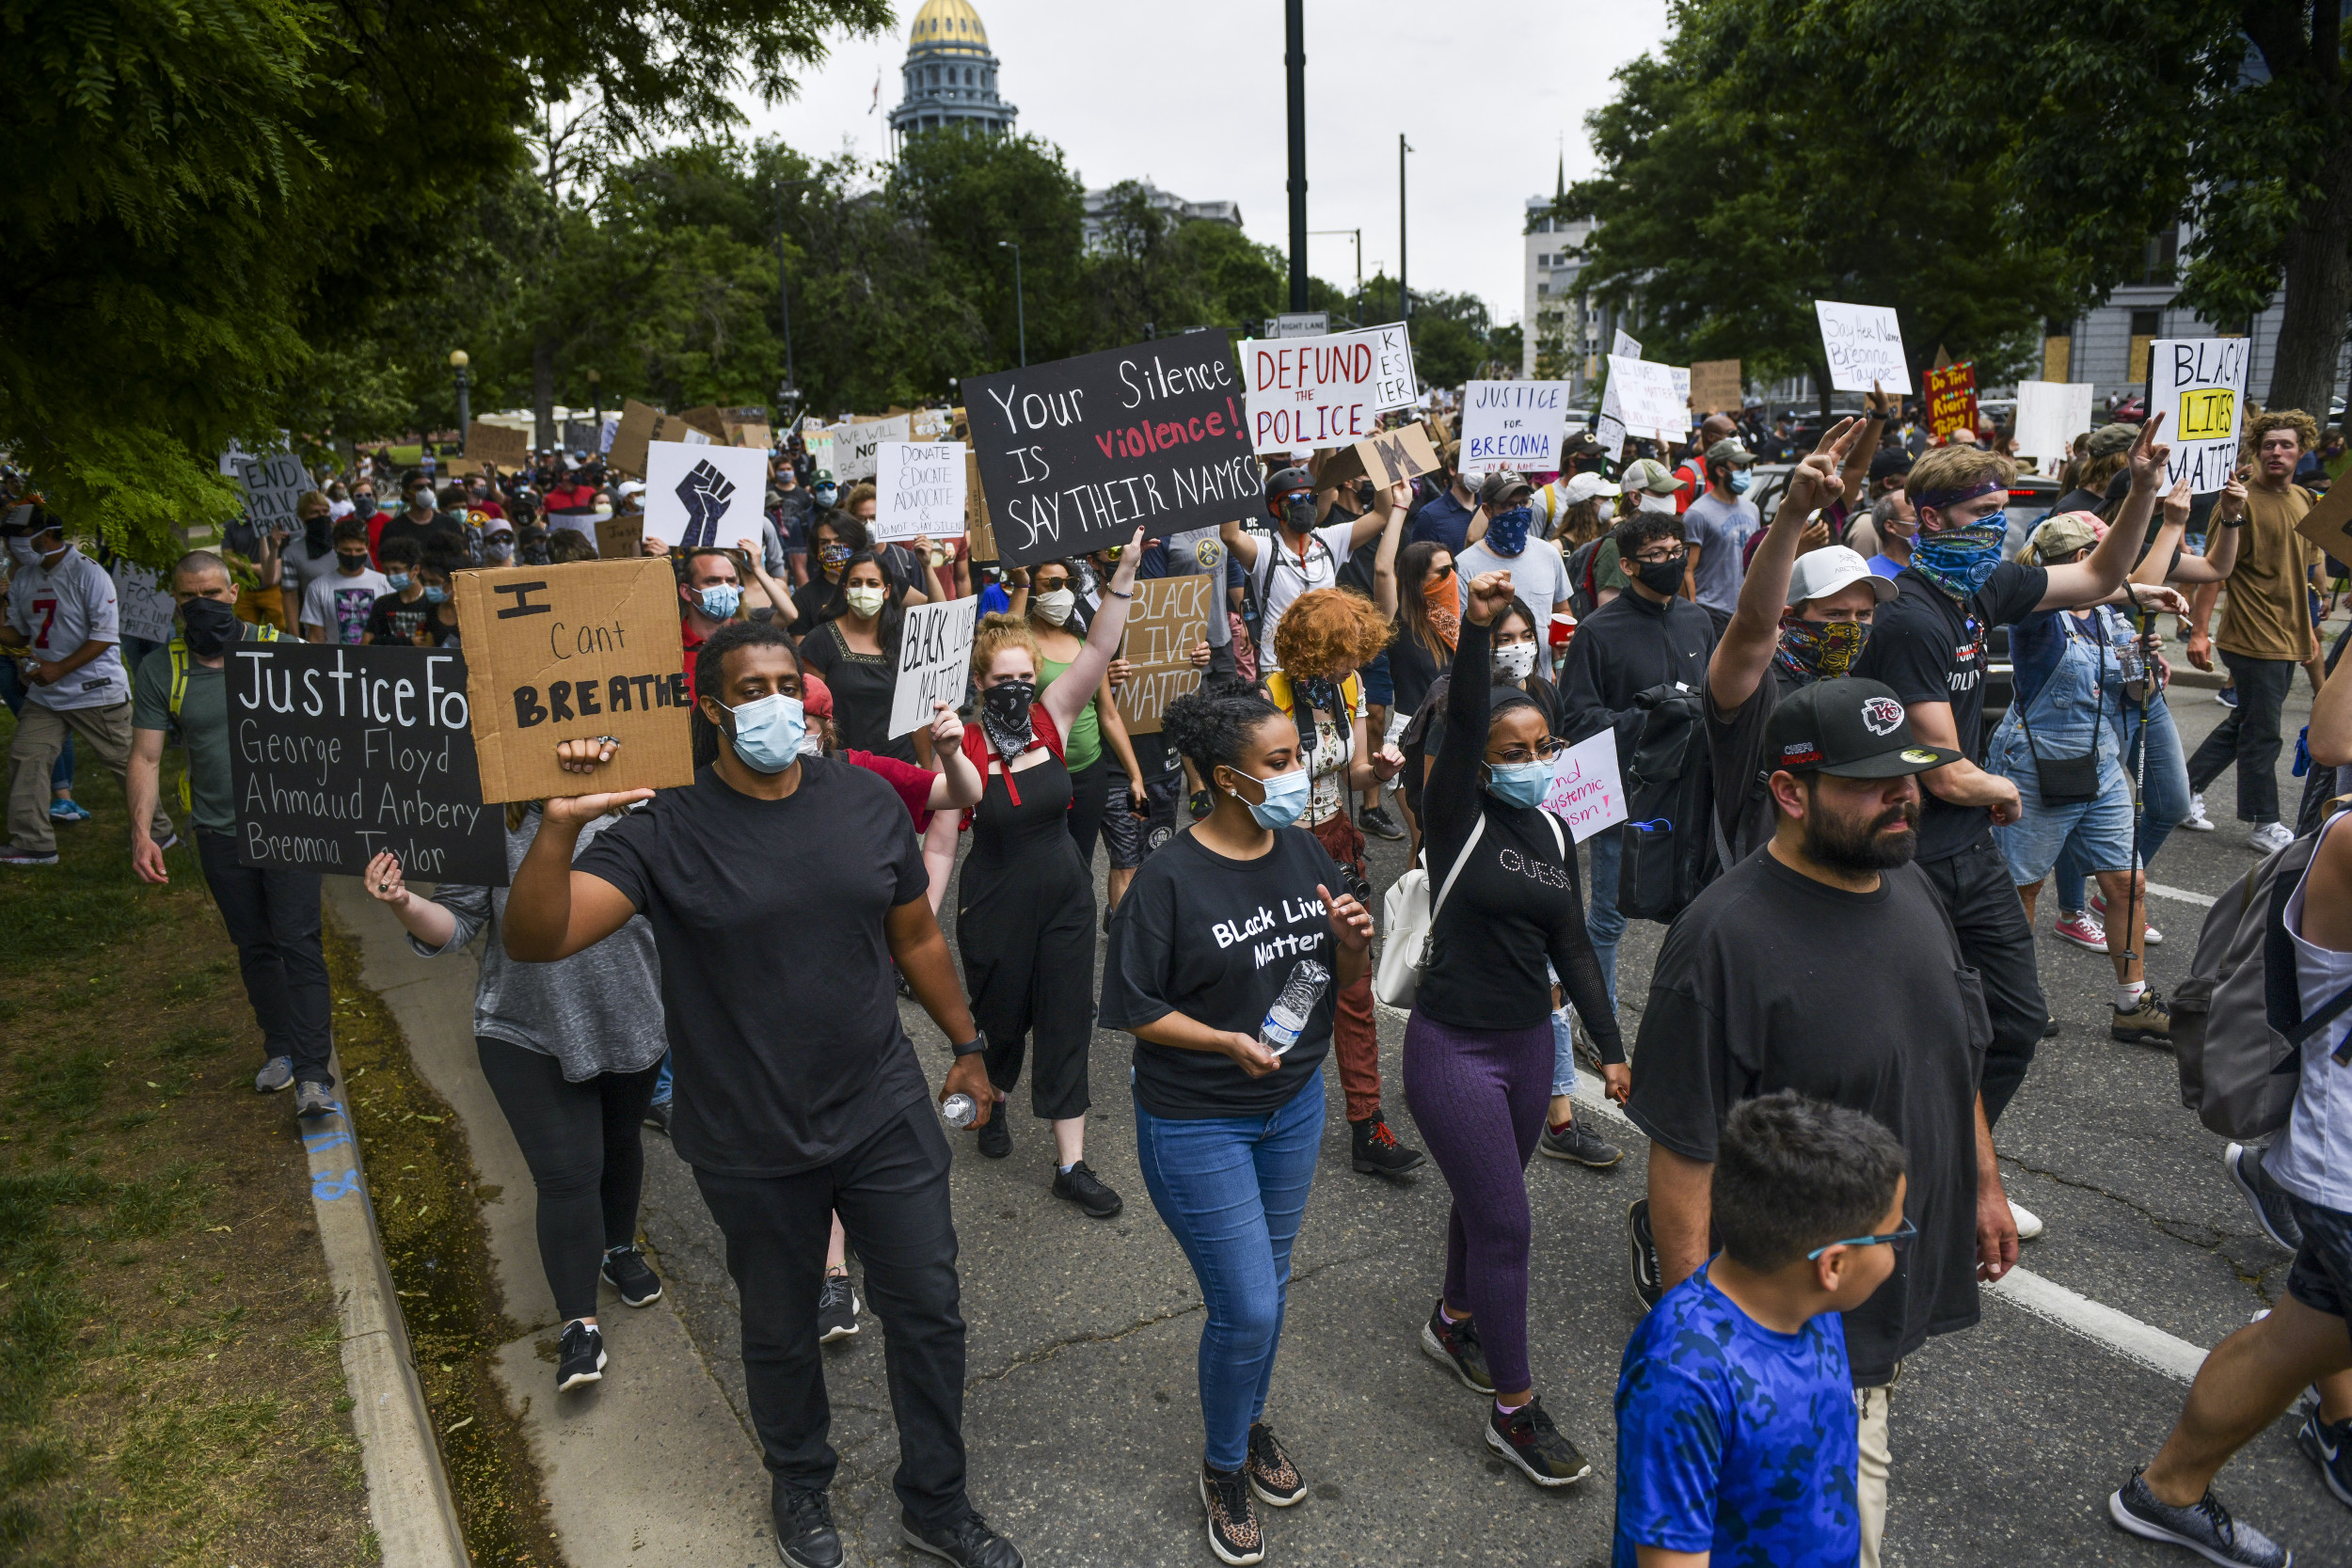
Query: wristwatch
<point>969,1047</point>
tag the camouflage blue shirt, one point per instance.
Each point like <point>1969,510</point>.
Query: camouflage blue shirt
<point>1734,1440</point>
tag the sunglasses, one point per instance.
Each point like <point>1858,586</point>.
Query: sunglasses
<point>1438,574</point>
<point>1898,1239</point>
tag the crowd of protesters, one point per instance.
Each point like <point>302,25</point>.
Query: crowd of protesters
<point>1805,699</point>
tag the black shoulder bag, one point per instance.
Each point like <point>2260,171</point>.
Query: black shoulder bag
<point>2070,781</point>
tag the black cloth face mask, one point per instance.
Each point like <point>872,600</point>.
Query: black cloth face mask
<point>208,626</point>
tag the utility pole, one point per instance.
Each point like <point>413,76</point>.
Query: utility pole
<point>1020,304</point>
<point>1404,296</point>
<point>1295,16</point>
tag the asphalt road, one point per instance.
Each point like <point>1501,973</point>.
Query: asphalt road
<point>1083,1419</point>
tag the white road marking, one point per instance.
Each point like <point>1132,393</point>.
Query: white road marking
<point>2158,890</point>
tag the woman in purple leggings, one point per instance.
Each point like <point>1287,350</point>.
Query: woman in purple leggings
<point>1478,1051</point>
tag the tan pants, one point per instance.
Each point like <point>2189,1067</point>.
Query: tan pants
<point>41,733</point>
<point>1871,1481</point>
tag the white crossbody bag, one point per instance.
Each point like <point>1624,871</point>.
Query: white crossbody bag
<point>1409,921</point>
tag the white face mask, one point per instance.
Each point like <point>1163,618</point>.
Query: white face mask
<point>1054,607</point>
<point>1515,660</point>
<point>865,601</point>
<point>23,553</point>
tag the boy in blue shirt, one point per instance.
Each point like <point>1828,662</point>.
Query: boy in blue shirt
<point>1736,1425</point>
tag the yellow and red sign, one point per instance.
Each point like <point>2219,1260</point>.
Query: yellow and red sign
<point>1952,398</point>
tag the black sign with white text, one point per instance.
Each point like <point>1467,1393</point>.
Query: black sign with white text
<point>337,754</point>
<point>1075,455</point>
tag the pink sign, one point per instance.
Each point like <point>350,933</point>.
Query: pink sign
<point>1587,791</point>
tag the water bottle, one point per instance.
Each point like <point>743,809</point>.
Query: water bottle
<point>1287,1019</point>
<point>960,1110</point>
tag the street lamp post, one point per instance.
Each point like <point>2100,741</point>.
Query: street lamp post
<point>1358,235</point>
<point>1294,60</point>
<point>595,402</point>
<point>1020,309</point>
<point>464,405</point>
<point>1404,296</point>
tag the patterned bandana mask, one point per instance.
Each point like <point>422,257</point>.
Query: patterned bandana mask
<point>1820,650</point>
<point>1960,560</point>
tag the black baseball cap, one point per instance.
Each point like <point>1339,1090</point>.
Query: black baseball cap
<point>1847,728</point>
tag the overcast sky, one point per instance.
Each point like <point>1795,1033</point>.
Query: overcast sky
<point>1191,98</point>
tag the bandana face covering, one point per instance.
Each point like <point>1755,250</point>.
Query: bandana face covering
<point>1820,650</point>
<point>1508,530</point>
<point>1005,718</point>
<point>1960,560</point>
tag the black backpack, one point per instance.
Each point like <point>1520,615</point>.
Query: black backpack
<point>1669,847</point>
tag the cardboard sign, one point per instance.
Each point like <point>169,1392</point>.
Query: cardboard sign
<point>621,536</point>
<point>142,608</point>
<point>918,490</point>
<point>626,452</point>
<point>929,424</point>
<point>858,444</point>
<point>1077,455</point>
<point>1325,392</point>
<point>271,487</point>
<point>1716,388</point>
<point>340,753</point>
<point>501,444</point>
<point>2329,523</point>
<point>570,653</point>
<point>1402,453</point>
<point>1952,398</point>
<point>2050,414</point>
<point>708,418</point>
<point>751,434</point>
<point>1168,619</point>
<point>1587,790</point>
<point>2199,384</point>
<point>1513,424</point>
<point>934,661</point>
<point>704,495</point>
<point>982,537</point>
<point>1865,343</point>
<point>1642,396</point>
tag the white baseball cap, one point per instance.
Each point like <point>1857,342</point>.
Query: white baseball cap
<point>1818,574</point>
<point>1584,487</point>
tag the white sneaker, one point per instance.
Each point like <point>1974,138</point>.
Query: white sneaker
<point>2029,1223</point>
<point>2270,838</point>
<point>2197,821</point>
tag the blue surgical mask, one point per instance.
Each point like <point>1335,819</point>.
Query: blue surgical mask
<point>1519,783</point>
<point>1507,530</point>
<point>1285,798</point>
<point>767,733</point>
<point>1961,561</point>
<point>720,599</point>
<point>399,581</point>
<point>1740,480</point>
<point>436,595</point>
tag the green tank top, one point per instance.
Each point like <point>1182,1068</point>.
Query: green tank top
<point>1083,746</point>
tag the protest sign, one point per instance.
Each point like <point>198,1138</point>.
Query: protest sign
<point>929,424</point>
<point>1625,346</point>
<point>934,661</point>
<point>818,444</point>
<point>1077,455</point>
<point>606,431</point>
<point>918,489</point>
<point>982,538</point>
<point>1642,396</point>
<point>571,652</point>
<point>630,432</point>
<point>1716,387</point>
<point>142,608</point>
<point>2199,384</point>
<point>1865,343</point>
<point>1609,433</point>
<point>1587,791</point>
<point>2050,414</point>
<point>707,418</point>
<point>1325,392</point>
<point>620,535</point>
<point>1952,398</point>
<point>501,444</point>
<point>1392,456</point>
<point>704,495</point>
<point>858,444</point>
<point>2329,523</point>
<point>1168,619</point>
<point>339,753</point>
<point>271,487</point>
<point>1513,424</point>
<point>751,434</point>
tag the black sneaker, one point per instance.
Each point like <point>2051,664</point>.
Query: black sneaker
<point>581,1359</point>
<point>996,1136</point>
<point>1576,1143</point>
<point>967,1542</point>
<point>1456,1345</point>
<point>1378,823</point>
<point>837,1310</point>
<point>804,1534</point>
<point>626,1267</point>
<point>1528,1439</point>
<point>658,1117</point>
<point>2050,1030</point>
<point>1234,1533</point>
<point>1082,1187</point>
<point>2204,1528</point>
<point>1648,1279</point>
<point>2271,1209</point>
<point>1272,1476</point>
<point>2328,1443</point>
<point>1377,1152</point>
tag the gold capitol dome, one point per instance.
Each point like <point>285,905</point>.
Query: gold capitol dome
<point>949,75</point>
<point>948,25</point>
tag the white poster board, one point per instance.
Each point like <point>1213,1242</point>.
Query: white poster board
<point>271,487</point>
<point>604,432</point>
<point>701,494</point>
<point>1513,424</point>
<point>1642,396</point>
<point>1610,433</point>
<point>1627,346</point>
<point>2050,414</point>
<point>858,444</point>
<point>918,490</point>
<point>142,607</point>
<point>934,661</point>
<point>1328,391</point>
<point>2199,385</point>
<point>1587,791</point>
<point>819,446</point>
<point>1865,343</point>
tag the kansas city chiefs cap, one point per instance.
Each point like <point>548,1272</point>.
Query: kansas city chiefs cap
<point>1852,729</point>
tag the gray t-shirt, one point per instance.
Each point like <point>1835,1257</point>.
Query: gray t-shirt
<point>61,607</point>
<point>1720,528</point>
<point>1538,575</point>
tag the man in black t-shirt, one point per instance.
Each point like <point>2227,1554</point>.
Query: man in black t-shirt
<point>1760,989</point>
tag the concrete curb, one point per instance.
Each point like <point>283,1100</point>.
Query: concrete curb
<point>408,1500</point>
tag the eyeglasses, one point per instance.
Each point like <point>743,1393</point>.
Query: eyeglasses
<point>1900,1239</point>
<point>1545,750</point>
<point>1644,558</point>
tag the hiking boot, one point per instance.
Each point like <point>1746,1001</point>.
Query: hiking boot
<point>2149,1023</point>
<point>580,1358</point>
<point>804,1534</point>
<point>1648,1276</point>
<point>2272,1211</point>
<point>1377,1151</point>
<point>837,1308</point>
<point>968,1542</point>
<point>276,1074</point>
<point>627,1269</point>
<point>2204,1527</point>
<point>1528,1439</point>
<point>1456,1345</point>
<point>1378,823</point>
<point>2082,928</point>
<point>1082,1187</point>
<point>1578,1143</point>
<point>1272,1476</point>
<point>1234,1534</point>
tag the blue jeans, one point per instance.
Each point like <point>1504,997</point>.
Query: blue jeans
<point>12,691</point>
<point>661,1085</point>
<point>2164,793</point>
<point>1605,924</point>
<point>1232,1190</point>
